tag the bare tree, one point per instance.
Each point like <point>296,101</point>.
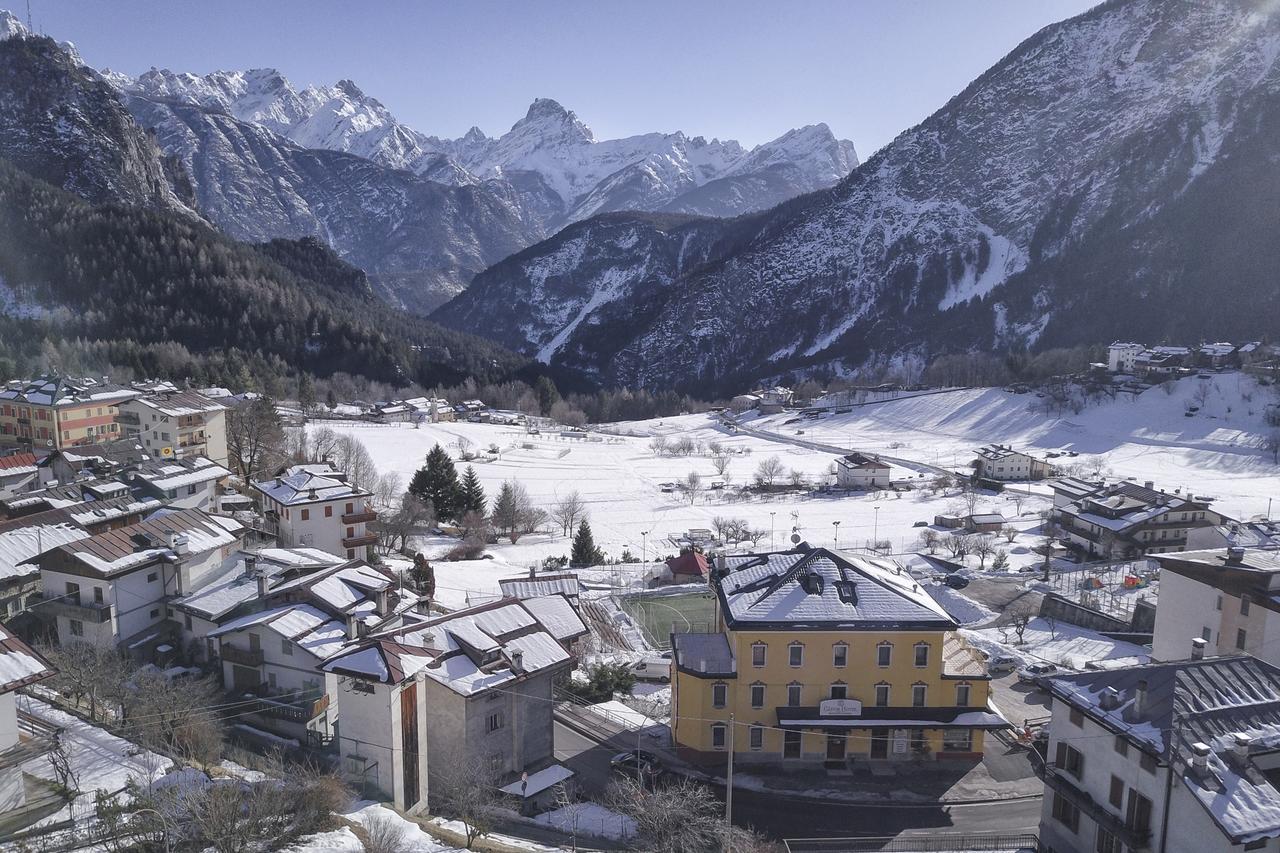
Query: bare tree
<point>768,471</point>
<point>383,834</point>
<point>691,487</point>
<point>683,446</point>
<point>941,483</point>
<point>1018,498</point>
<point>658,445</point>
<point>929,540</point>
<point>351,457</point>
<point>389,489</point>
<point>982,548</point>
<point>755,534</point>
<point>465,787</point>
<point>171,716</point>
<point>798,479</point>
<point>720,461</point>
<point>679,818</point>
<point>394,527</point>
<point>957,545</point>
<point>1009,532</point>
<point>568,511</point>
<point>90,673</point>
<point>464,447</point>
<point>969,496</point>
<point>731,529</point>
<point>255,438</point>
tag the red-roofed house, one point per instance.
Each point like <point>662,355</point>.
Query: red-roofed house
<point>689,565</point>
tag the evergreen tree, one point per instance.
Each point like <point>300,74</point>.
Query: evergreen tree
<point>585,552</point>
<point>331,400</point>
<point>507,511</point>
<point>547,393</point>
<point>437,483</point>
<point>306,394</point>
<point>473,498</point>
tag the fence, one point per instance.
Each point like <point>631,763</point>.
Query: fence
<point>1102,586</point>
<point>933,843</point>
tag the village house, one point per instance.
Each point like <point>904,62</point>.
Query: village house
<point>95,492</point>
<point>20,666</point>
<point>744,402</point>
<point>1127,520</point>
<point>32,535</point>
<point>314,506</point>
<point>483,678</point>
<point>1172,757</point>
<point>861,471</point>
<point>112,588</point>
<point>1003,463</point>
<point>774,400</point>
<point>90,461</point>
<point>188,483</point>
<point>1229,597</point>
<point>18,473</point>
<point>307,616</point>
<point>1121,356</point>
<point>54,412</point>
<point>1256,533</point>
<point>827,658</point>
<point>173,423</point>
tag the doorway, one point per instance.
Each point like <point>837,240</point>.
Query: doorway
<point>879,744</point>
<point>835,747</point>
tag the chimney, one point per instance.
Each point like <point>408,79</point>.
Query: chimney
<point>1150,484</point>
<point>1140,698</point>
<point>721,565</point>
<point>355,626</point>
<point>250,565</point>
<point>279,481</point>
<point>1197,648</point>
<point>382,602</point>
<point>517,661</point>
<point>1200,756</point>
<point>1235,555</point>
<point>311,494</point>
<point>179,543</point>
<point>1240,746</point>
<point>1109,699</point>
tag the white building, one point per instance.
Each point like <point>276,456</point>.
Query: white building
<point>177,424</point>
<point>1258,533</point>
<point>189,483</point>
<point>1164,757</point>
<point>1227,597</point>
<point>862,471</point>
<point>20,667</point>
<point>482,676</point>
<point>1003,463</point>
<point>1121,356</point>
<point>112,588</point>
<point>313,506</point>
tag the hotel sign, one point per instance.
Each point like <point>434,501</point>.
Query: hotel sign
<point>840,708</point>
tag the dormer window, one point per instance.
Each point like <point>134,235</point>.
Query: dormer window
<point>847,591</point>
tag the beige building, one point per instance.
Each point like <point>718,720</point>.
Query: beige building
<point>54,412</point>
<point>177,424</point>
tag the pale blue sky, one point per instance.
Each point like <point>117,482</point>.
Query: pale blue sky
<point>747,70</point>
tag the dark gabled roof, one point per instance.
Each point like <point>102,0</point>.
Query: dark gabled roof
<point>20,665</point>
<point>703,655</point>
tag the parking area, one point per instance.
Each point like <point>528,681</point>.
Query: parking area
<point>1019,702</point>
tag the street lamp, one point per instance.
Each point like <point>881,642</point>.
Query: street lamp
<point>836,525</point>
<point>644,546</point>
<point>875,530</point>
<point>771,515</point>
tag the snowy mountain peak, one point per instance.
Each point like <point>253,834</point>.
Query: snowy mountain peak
<point>553,123</point>
<point>11,26</point>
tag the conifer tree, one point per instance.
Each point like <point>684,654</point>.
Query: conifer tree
<point>473,497</point>
<point>437,482</point>
<point>585,552</point>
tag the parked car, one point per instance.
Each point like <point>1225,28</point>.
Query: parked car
<point>1037,673</point>
<point>635,761</point>
<point>1000,664</point>
<point>955,581</point>
<point>653,668</point>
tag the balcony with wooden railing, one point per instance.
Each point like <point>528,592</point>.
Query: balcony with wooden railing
<point>365,514</point>
<point>237,655</point>
<point>360,541</point>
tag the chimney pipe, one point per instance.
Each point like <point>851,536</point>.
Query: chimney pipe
<point>1241,745</point>
<point>517,661</point>
<point>1197,648</point>
<point>1140,698</point>
<point>250,565</point>
<point>1150,484</point>
<point>382,602</point>
<point>1200,756</point>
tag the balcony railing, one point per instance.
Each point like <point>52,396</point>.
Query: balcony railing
<point>359,541</point>
<point>296,707</point>
<point>129,418</point>
<point>237,655</point>
<point>95,612</point>
<point>358,516</point>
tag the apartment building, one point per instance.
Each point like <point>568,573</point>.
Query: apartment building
<point>862,471</point>
<point>483,678</point>
<point>1128,520</point>
<point>192,482</point>
<point>827,658</point>
<point>112,588</point>
<point>1225,596</point>
<point>178,424</point>
<point>1167,757</point>
<point>54,412</point>
<point>313,506</point>
<point>1001,462</point>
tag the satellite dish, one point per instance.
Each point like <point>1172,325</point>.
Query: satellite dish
<point>795,538</point>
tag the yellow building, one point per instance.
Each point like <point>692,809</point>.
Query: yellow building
<point>53,413</point>
<point>827,657</point>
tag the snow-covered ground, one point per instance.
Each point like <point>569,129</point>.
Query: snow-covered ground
<point>589,819</point>
<point>1061,643</point>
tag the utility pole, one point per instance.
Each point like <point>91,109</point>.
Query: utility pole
<point>728,790</point>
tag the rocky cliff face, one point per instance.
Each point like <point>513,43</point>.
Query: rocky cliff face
<point>1091,167</point>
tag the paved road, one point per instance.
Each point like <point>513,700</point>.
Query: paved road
<point>781,816</point>
<point>769,435</point>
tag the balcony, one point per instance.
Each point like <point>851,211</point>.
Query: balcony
<point>299,707</point>
<point>1065,784</point>
<point>94,612</point>
<point>360,541</point>
<point>365,515</point>
<point>128,418</point>
<point>237,655</point>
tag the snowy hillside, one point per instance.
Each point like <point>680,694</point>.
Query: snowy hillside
<point>1090,185</point>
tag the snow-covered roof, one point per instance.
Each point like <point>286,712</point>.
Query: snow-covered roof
<point>307,627</point>
<point>558,616</point>
<point>233,585</point>
<point>313,483</point>
<point>545,778</point>
<point>993,452</point>
<point>823,589</point>
<point>65,391</point>
<point>24,538</point>
<point>1168,708</point>
<point>861,460</point>
<point>469,651</point>
<point>176,404</point>
<point>138,544</point>
<point>18,464</point>
<point>180,473</point>
<point>19,664</point>
<point>566,583</point>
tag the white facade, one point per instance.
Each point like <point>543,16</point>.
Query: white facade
<point>371,742</point>
<point>12,790</point>
<point>312,506</point>
<point>1190,608</point>
<point>865,474</point>
<point>1121,356</point>
<point>178,425</point>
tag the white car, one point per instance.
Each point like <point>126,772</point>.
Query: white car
<point>1037,673</point>
<point>653,669</point>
